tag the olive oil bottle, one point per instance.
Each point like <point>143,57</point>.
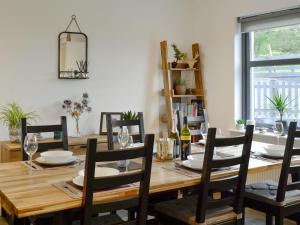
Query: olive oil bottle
<point>185,138</point>
<point>173,134</point>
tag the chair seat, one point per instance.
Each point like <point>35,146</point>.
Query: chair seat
<point>266,193</point>
<point>111,219</point>
<point>184,210</point>
<point>3,221</point>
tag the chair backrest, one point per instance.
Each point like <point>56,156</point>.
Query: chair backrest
<point>191,120</point>
<point>236,182</point>
<point>286,168</point>
<point>140,202</point>
<point>111,123</point>
<point>44,146</point>
<point>103,120</point>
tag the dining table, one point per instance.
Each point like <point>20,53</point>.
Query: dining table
<point>25,194</point>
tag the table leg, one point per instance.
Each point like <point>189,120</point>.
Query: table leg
<point>62,218</point>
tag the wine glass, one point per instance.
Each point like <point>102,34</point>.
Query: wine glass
<point>278,130</point>
<point>123,138</point>
<point>130,141</point>
<point>219,132</point>
<point>30,146</point>
<point>204,130</point>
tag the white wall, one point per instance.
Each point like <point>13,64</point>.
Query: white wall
<point>124,55</point>
<point>217,33</point>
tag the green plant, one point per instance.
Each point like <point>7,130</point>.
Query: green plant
<point>240,122</point>
<point>280,103</point>
<point>178,55</point>
<point>12,114</point>
<point>181,82</point>
<point>129,115</point>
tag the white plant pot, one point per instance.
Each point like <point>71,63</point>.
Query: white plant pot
<point>133,130</point>
<point>240,126</point>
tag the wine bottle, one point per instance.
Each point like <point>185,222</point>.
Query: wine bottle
<point>185,138</point>
<point>173,134</point>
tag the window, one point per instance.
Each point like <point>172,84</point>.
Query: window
<point>271,65</point>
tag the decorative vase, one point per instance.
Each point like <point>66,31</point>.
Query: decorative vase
<point>174,64</point>
<point>77,134</point>
<point>180,89</point>
<point>285,126</point>
<point>14,134</point>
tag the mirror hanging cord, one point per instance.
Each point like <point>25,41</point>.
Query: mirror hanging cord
<point>73,19</point>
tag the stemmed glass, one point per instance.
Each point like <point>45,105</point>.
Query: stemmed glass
<point>30,147</point>
<point>123,138</point>
<point>204,130</point>
<point>278,130</point>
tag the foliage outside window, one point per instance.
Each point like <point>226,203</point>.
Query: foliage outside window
<point>273,67</point>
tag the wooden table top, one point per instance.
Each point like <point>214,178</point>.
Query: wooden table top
<point>28,195</point>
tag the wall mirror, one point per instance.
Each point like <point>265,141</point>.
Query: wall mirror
<point>72,54</point>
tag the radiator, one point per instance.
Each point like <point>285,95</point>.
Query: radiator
<point>263,176</point>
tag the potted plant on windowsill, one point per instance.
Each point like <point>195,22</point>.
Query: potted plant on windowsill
<point>130,115</point>
<point>11,116</point>
<point>280,103</point>
<point>240,124</point>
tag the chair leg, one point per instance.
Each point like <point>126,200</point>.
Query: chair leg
<point>279,219</point>
<point>243,216</point>
<point>269,218</point>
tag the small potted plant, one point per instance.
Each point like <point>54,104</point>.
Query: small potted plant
<point>11,116</point>
<point>280,103</point>
<point>130,115</point>
<point>240,124</point>
<point>178,55</point>
<point>180,87</point>
<point>75,109</point>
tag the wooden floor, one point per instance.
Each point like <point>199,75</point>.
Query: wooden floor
<point>252,218</point>
<point>257,218</point>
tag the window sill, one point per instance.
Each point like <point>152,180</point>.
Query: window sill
<point>267,137</point>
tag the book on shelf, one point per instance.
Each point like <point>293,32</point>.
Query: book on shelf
<point>195,108</point>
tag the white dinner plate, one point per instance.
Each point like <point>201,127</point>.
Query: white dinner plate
<point>195,165</point>
<point>99,172</point>
<point>78,181</point>
<point>56,155</point>
<point>136,145</point>
<point>202,142</point>
<point>61,162</point>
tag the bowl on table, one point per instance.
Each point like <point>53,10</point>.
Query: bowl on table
<point>57,156</point>
<point>99,172</point>
<point>274,150</point>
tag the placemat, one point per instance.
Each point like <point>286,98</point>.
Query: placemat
<point>182,170</point>
<point>44,166</point>
<point>74,191</point>
<point>131,166</point>
<point>34,166</point>
<point>179,168</point>
<point>263,157</point>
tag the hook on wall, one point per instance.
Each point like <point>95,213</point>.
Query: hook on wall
<point>73,19</point>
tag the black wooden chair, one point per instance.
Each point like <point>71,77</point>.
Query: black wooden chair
<point>62,127</point>
<point>103,120</point>
<point>112,123</point>
<point>278,199</point>
<point>140,202</point>
<point>209,206</point>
